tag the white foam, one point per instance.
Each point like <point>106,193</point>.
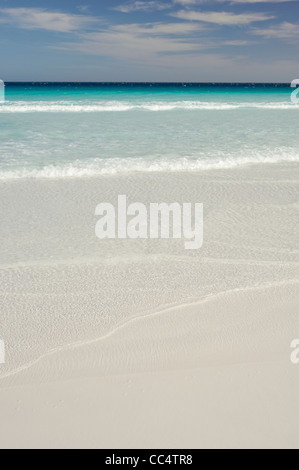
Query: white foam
<point>98,167</point>
<point>122,106</point>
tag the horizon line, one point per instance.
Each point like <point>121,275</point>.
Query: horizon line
<point>149,82</point>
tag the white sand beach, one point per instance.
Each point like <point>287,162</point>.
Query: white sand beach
<point>142,344</point>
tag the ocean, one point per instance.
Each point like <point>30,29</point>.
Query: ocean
<point>58,130</point>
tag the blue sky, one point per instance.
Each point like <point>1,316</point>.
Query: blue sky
<point>155,40</point>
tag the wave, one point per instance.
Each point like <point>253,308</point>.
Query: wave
<point>101,167</point>
<point>122,106</point>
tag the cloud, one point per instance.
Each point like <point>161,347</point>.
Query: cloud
<point>257,1</point>
<point>159,29</point>
<point>143,6</point>
<point>194,2</point>
<point>161,45</point>
<point>154,5</point>
<point>282,31</point>
<point>40,18</point>
<point>141,43</point>
<point>185,2</point>
<point>237,43</point>
<point>222,18</point>
<point>83,8</point>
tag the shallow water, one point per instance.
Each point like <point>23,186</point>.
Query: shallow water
<point>68,130</point>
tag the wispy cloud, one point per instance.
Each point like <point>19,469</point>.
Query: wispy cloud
<point>289,31</point>
<point>139,41</point>
<point>156,5</point>
<point>222,18</point>
<point>143,6</point>
<point>244,2</point>
<point>255,1</point>
<point>237,43</point>
<point>83,8</point>
<point>155,45</point>
<point>40,18</point>
<point>185,2</point>
<point>154,29</point>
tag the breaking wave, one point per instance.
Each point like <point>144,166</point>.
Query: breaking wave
<point>122,106</point>
<point>98,167</point>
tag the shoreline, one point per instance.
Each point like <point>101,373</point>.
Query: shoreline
<point>109,342</point>
<point>8,380</point>
<point>200,381</point>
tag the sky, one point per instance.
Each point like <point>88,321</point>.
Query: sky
<point>154,40</point>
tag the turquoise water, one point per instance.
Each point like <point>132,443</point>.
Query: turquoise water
<point>73,130</point>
